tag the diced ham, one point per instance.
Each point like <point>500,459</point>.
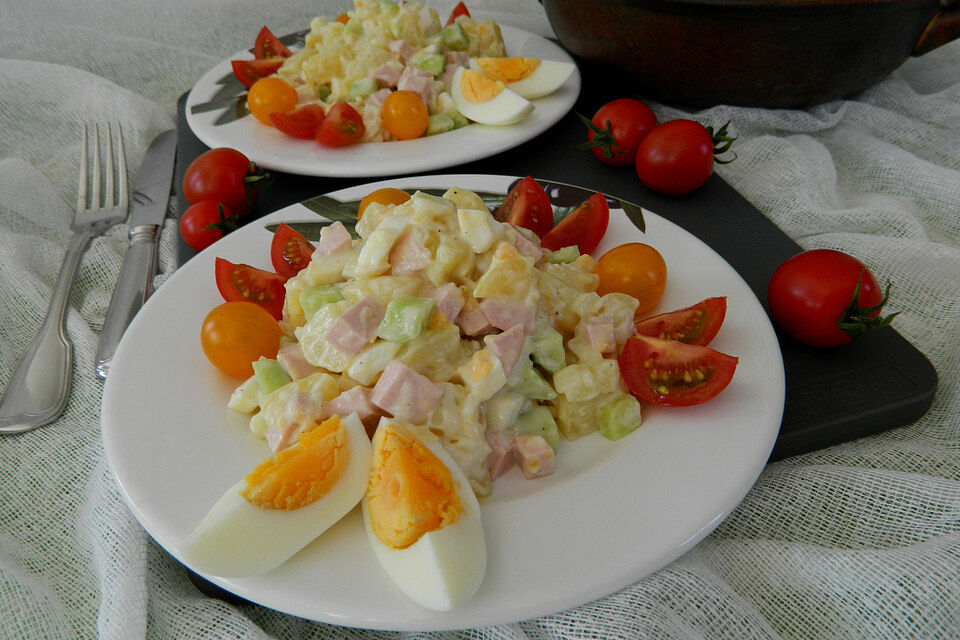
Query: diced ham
<point>505,314</point>
<point>357,327</point>
<point>535,456</point>
<point>333,238</point>
<point>458,58</point>
<point>402,49</point>
<point>418,81</point>
<point>301,410</point>
<point>387,74</point>
<point>377,99</point>
<point>508,346</point>
<point>526,246</point>
<point>356,400</point>
<point>473,322</point>
<point>449,300</point>
<point>291,357</point>
<point>405,394</point>
<point>503,451</point>
<point>409,256</point>
<point>599,334</point>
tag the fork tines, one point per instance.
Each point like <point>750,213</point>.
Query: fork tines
<point>110,200</point>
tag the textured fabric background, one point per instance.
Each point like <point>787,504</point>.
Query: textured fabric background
<point>857,541</point>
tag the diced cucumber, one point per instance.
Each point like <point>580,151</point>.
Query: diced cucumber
<point>437,200</point>
<point>548,349</point>
<point>324,91</point>
<point>363,87</point>
<point>389,6</point>
<point>459,120</point>
<point>246,397</point>
<point>533,386</point>
<point>455,38</point>
<point>406,319</point>
<point>439,123</point>
<point>355,26</point>
<point>314,298</point>
<point>564,255</point>
<point>618,417</point>
<point>270,375</point>
<point>433,63</point>
<point>539,422</point>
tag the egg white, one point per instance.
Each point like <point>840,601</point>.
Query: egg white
<point>237,538</point>
<point>504,108</point>
<point>545,79</point>
<point>445,567</point>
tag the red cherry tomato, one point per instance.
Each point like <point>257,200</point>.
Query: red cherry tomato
<point>583,227</point>
<point>527,205</point>
<point>249,71</point>
<point>236,334</point>
<point>672,373</point>
<point>459,10</point>
<point>341,127</point>
<point>290,252</point>
<point>676,157</point>
<point>697,324</point>
<point>811,296</point>
<point>616,130</point>
<point>206,222</point>
<point>302,122</point>
<point>224,175</point>
<point>269,46</point>
<point>243,282</point>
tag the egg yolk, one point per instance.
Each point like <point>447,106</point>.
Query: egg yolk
<point>411,492</point>
<point>508,69</point>
<point>302,474</point>
<point>477,88</point>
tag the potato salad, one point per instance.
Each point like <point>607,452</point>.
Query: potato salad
<point>442,317</point>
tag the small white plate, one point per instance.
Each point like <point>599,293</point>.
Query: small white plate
<point>273,150</point>
<point>612,513</point>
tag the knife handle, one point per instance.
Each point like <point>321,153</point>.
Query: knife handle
<point>134,286</point>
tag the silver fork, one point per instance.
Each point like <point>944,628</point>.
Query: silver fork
<point>37,393</point>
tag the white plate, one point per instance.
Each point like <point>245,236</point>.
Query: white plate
<point>612,513</point>
<point>271,149</point>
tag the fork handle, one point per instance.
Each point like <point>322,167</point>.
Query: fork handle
<point>134,286</point>
<point>38,390</point>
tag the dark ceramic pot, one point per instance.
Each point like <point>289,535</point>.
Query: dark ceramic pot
<point>763,53</point>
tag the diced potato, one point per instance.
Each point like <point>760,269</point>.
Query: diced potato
<point>367,366</point>
<point>373,259</point>
<point>510,276</point>
<point>587,380</point>
<point>435,354</point>
<point>312,336</point>
<point>246,397</point>
<point>465,199</point>
<point>575,419</point>
<point>384,288</point>
<point>479,228</point>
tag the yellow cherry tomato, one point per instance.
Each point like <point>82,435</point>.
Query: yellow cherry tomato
<point>235,334</point>
<point>635,269</point>
<point>271,95</point>
<point>404,115</point>
<point>387,195</point>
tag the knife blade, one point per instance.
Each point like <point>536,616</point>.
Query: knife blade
<point>135,281</point>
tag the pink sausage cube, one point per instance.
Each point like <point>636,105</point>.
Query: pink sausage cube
<point>405,394</point>
<point>535,455</point>
<point>352,331</point>
<point>503,451</point>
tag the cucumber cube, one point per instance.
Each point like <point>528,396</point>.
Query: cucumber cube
<point>459,120</point>
<point>363,87</point>
<point>548,350</point>
<point>324,91</point>
<point>432,63</point>
<point>355,26</point>
<point>618,417</point>
<point>564,255</point>
<point>389,6</point>
<point>539,422</point>
<point>439,123</point>
<point>270,375</point>
<point>314,298</point>
<point>455,38</point>
<point>406,319</point>
<point>533,386</point>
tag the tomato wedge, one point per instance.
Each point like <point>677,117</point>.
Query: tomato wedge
<point>697,324</point>
<point>343,126</point>
<point>674,374</point>
<point>584,226</point>
<point>302,122</point>
<point>459,10</point>
<point>249,71</point>
<point>269,46</point>
<point>290,252</point>
<point>527,205</point>
<point>243,282</point>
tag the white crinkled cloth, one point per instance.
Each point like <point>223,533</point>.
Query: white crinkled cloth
<point>861,540</point>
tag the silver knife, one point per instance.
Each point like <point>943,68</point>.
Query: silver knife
<point>148,208</point>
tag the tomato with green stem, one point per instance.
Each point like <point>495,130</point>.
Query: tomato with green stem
<point>224,175</point>
<point>677,157</point>
<point>616,129</point>
<point>205,222</point>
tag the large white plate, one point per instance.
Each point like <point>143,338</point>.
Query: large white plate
<point>612,513</point>
<point>271,149</point>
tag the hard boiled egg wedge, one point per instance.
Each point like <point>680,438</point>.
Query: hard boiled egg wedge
<point>527,77</point>
<point>487,101</point>
<point>284,503</point>
<point>423,519</point>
